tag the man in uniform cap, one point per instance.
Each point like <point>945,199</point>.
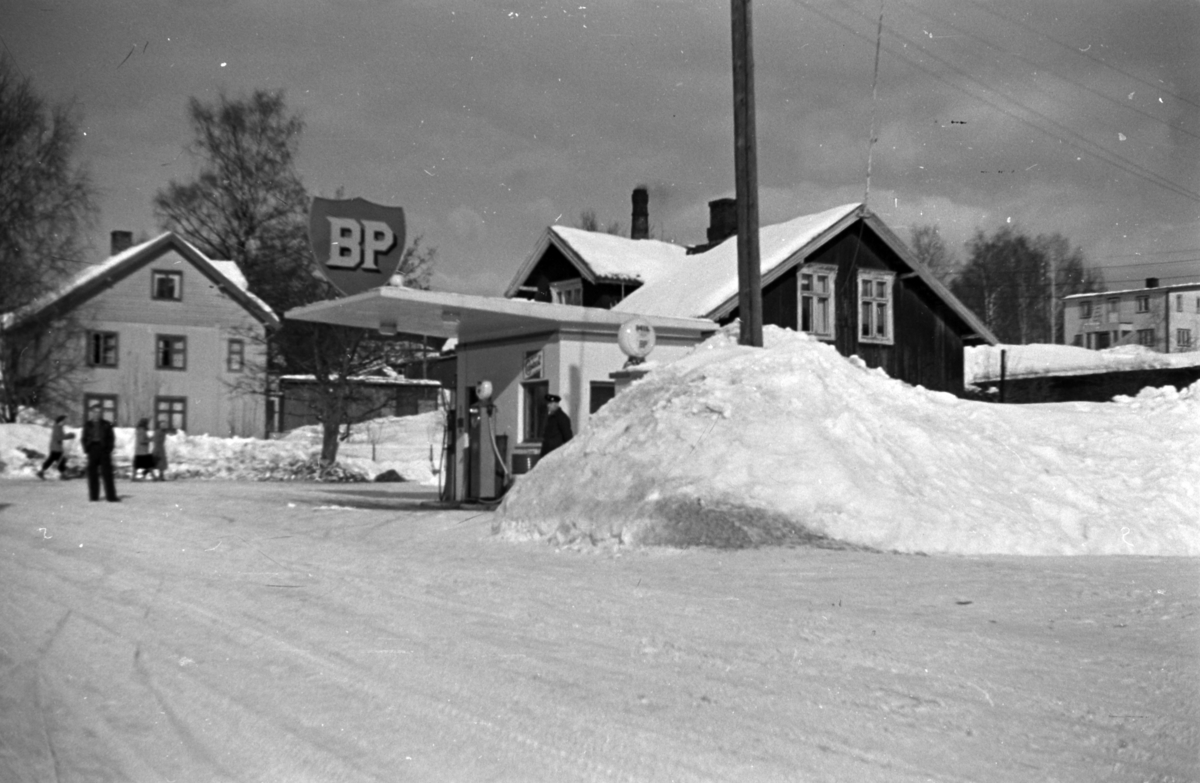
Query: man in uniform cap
<point>558,425</point>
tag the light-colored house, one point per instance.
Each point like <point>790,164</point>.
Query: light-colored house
<point>1163,318</point>
<point>168,335</point>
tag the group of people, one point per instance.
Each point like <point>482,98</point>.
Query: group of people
<point>98,441</point>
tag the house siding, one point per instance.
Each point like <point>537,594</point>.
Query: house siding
<point>554,267</point>
<point>925,350</point>
<point>207,319</point>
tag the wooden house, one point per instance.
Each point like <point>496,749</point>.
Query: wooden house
<point>167,334</point>
<point>841,275</point>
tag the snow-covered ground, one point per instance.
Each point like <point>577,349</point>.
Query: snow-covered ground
<point>220,631</point>
<point>733,446</point>
<point>409,445</point>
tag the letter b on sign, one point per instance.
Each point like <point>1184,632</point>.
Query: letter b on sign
<point>357,244</point>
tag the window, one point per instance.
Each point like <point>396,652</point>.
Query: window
<point>107,403</point>
<point>1179,303</point>
<point>569,292</point>
<point>1085,310</point>
<point>534,408</point>
<point>600,393</point>
<point>235,360</point>
<point>166,285</point>
<point>1146,337</point>
<point>1183,339</point>
<point>1114,307</point>
<point>816,301</point>
<point>170,352</point>
<point>171,412</point>
<point>1198,304</point>
<point>1143,304</point>
<point>102,349</point>
<point>875,307</point>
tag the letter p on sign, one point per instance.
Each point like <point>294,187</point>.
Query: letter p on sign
<point>357,244</point>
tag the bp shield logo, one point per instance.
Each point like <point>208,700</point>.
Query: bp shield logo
<point>357,244</point>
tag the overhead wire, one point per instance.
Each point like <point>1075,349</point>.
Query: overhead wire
<point>1094,149</point>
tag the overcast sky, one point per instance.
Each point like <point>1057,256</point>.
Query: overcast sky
<point>488,121</point>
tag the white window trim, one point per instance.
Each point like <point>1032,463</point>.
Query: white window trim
<point>817,269</point>
<point>562,290</point>
<point>888,278</point>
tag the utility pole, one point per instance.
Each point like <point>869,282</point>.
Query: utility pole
<point>746,170</point>
<point>1053,300</point>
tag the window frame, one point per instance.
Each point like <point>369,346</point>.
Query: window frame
<point>563,290</point>
<point>235,361</point>
<point>1183,340</point>
<point>1147,337</point>
<point>1143,303</point>
<point>158,353</point>
<point>176,419</point>
<point>874,300</point>
<point>608,390</point>
<point>829,297</point>
<point>107,402</point>
<point>1086,310</point>
<point>168,274</point>
<point>89,348</point>
<point>533,409</point>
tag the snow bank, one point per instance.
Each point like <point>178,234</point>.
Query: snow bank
<point>735,446</point>
<point>410,445</point>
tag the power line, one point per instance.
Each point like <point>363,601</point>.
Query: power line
<point>1098,151</point>
<point>1080,85</point>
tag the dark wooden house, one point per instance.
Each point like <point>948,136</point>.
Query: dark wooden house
<point>841,275</point>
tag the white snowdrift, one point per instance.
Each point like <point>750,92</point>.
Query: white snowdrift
<point>410,445</point>
<point>735,446</point>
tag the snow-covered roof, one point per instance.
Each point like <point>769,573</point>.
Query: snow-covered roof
<point>93,279</point>
<point>601,257</point>
<point>981,364</point>
<point>1174,287</point>
<point>703,283</point>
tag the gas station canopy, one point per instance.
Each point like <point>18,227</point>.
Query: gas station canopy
<point>470,318</point>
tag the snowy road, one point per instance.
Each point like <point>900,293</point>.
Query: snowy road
<point>210,631</point>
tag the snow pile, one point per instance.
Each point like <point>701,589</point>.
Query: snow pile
<point>409,445</point>
<point>981,364</point>
<point>736,446</point>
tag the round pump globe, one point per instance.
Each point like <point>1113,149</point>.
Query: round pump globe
<point>636,338</point>
<point>483,390</point>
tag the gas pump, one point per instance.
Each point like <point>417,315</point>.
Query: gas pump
<point>487,459</point>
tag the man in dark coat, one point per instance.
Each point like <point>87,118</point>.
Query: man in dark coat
<point>98,442</point>
<point>558,425</point>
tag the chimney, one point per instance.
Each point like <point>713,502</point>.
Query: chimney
<point>639,227</point>
<point>121,241</point>
<point>1152,282</point>
<point>722,220</point>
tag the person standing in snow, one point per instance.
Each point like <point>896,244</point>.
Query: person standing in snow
<point>143,460</point>
<point>57,442</point>
<point>98,441</point>
<point>558,425</point>
<point>159,450</point>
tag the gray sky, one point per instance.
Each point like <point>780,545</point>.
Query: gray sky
<point>487,121</point>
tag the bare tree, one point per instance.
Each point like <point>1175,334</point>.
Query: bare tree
<point>930,249</point>
<point>589,222</point>
<point>47,203</point>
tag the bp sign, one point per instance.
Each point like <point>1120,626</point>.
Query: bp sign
<point>357,244</point>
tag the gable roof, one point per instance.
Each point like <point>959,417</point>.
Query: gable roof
<point>603,258</point>
<point>706,284</point>
<point>91,281</point>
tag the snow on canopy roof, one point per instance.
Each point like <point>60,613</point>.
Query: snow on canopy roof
<point>612,257</point>
<point>710,279</point>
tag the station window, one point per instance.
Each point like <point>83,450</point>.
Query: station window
<point>533,407</point>
<point>817,301</point>
<point>875,307</point>
<point>166,286</point>
<point>599,394</point>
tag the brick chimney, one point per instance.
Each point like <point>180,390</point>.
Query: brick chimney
<point>1152,282</point>
<point>722,220</point>
<point>121,241</point>
<point>639,226</point>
